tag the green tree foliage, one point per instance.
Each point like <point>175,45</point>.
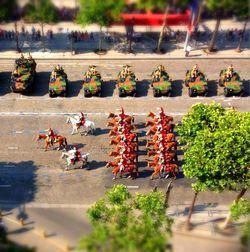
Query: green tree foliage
<point>199,118</point>
<point>103,13</point>
<point>122,222</point>
<point>218,152</point>
<point>238,209</point>
<point>40,11</point>
<point>6,10</point>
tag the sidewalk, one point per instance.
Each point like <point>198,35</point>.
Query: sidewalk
<point>60,46</point>
<point>203,237</point>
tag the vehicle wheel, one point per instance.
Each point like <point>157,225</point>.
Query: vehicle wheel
<point>190,92</point>
<point>99,94</point>
<point>242,93</point>
<point>86,93</point>
<point>221,84</point>
<point>134,94</point>
<point>226,92</point>
<point>156,92</point>
<point>169,94</point>
<point>122,92</point>
<point>206,93</point>
<point>50,94</point>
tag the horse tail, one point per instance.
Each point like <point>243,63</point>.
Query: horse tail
<point>65,141</point>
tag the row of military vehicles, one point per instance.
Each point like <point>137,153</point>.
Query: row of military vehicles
<point>23,77</point>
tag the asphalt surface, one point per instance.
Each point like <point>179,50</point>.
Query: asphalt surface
<point>57,199</point>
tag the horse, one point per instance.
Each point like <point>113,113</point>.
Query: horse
<point>167,168</point>
<point>61,140</point>
<point>83,158</point>
<point>89,125</point>
<point>166,146</point>
<point>170,137</point>
<point>168,128</point>
<point>130,168</point>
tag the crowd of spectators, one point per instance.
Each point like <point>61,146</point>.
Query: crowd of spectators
<point>78,36</point>
<point>7,35</point>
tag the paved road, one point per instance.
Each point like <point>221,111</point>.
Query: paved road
<point>29,176</point>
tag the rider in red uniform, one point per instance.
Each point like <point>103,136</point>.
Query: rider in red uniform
<point>82,119</point>
<point>51,135</point>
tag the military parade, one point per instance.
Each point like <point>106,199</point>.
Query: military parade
<point>124,126</point>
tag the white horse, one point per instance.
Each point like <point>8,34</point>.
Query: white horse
<point>68,155</point>
<point>75,121</point>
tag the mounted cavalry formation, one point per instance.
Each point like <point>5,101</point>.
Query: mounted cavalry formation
<point>126,145</point>
<point>164,145</point>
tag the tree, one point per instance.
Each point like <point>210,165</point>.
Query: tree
<point>42,11</point>
<point>103,13</point>
<point>242,12</point>
<point>217,150</point>
<point>218,8</point>
<point>238,209</point>
<point>123,222</point>
<point>160,5</point>
<point>6,10</point>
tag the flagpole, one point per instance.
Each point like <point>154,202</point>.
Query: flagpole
<point>189,32</point>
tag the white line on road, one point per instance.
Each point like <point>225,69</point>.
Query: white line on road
<point>12,148</point>
<point>72,114</point>
<point>5,185</point>
<point>19,132</point>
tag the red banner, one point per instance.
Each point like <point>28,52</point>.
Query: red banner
<point>153,19</point>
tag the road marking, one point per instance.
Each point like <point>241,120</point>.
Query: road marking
<point>5,185</point>
<point>72,114</point>
<point>12,148</point>
<point>133,187</point>
<point>19,132</point>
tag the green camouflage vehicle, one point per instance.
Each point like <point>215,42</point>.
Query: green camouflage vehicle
<point>23,76</point>
<point>232,86</point>
<point>127,86</point>
<point>58,85</point>
<point>196,86</point>
<point>162,86</point>
<point>93,86</point>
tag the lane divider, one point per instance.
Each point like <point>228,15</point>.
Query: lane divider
<point>72,114</point>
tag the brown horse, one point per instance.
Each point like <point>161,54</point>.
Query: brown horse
<point>130,168</point>
<point>167,168</point>
<point>170,137</point>
<point>168,128</point>
<point>62,141</point>
<point>167,146</point>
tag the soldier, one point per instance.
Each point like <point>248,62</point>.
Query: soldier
<point>229,72</point>
<point>16,72</point>
<point>195,71</point>
<point>51,135</point>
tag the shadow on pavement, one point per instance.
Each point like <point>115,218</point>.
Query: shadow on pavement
<point>246,85</point>
<point>108,88</point>
<point>5,83</point>
<point>93,165</point>
<point>177,88</point>
<point>142,88</point>
<point>41,84</point>
<point>74,88</point>
<point>212,88</point>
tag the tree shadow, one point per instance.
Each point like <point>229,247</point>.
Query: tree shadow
<point>20,180</point>
<point>212,88</point>
<point>20,230</point>
<point>142,88</point>
<point>5,83</point>
<point>108,88</point>
<point>74,88</point>
<point>177,88</point>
